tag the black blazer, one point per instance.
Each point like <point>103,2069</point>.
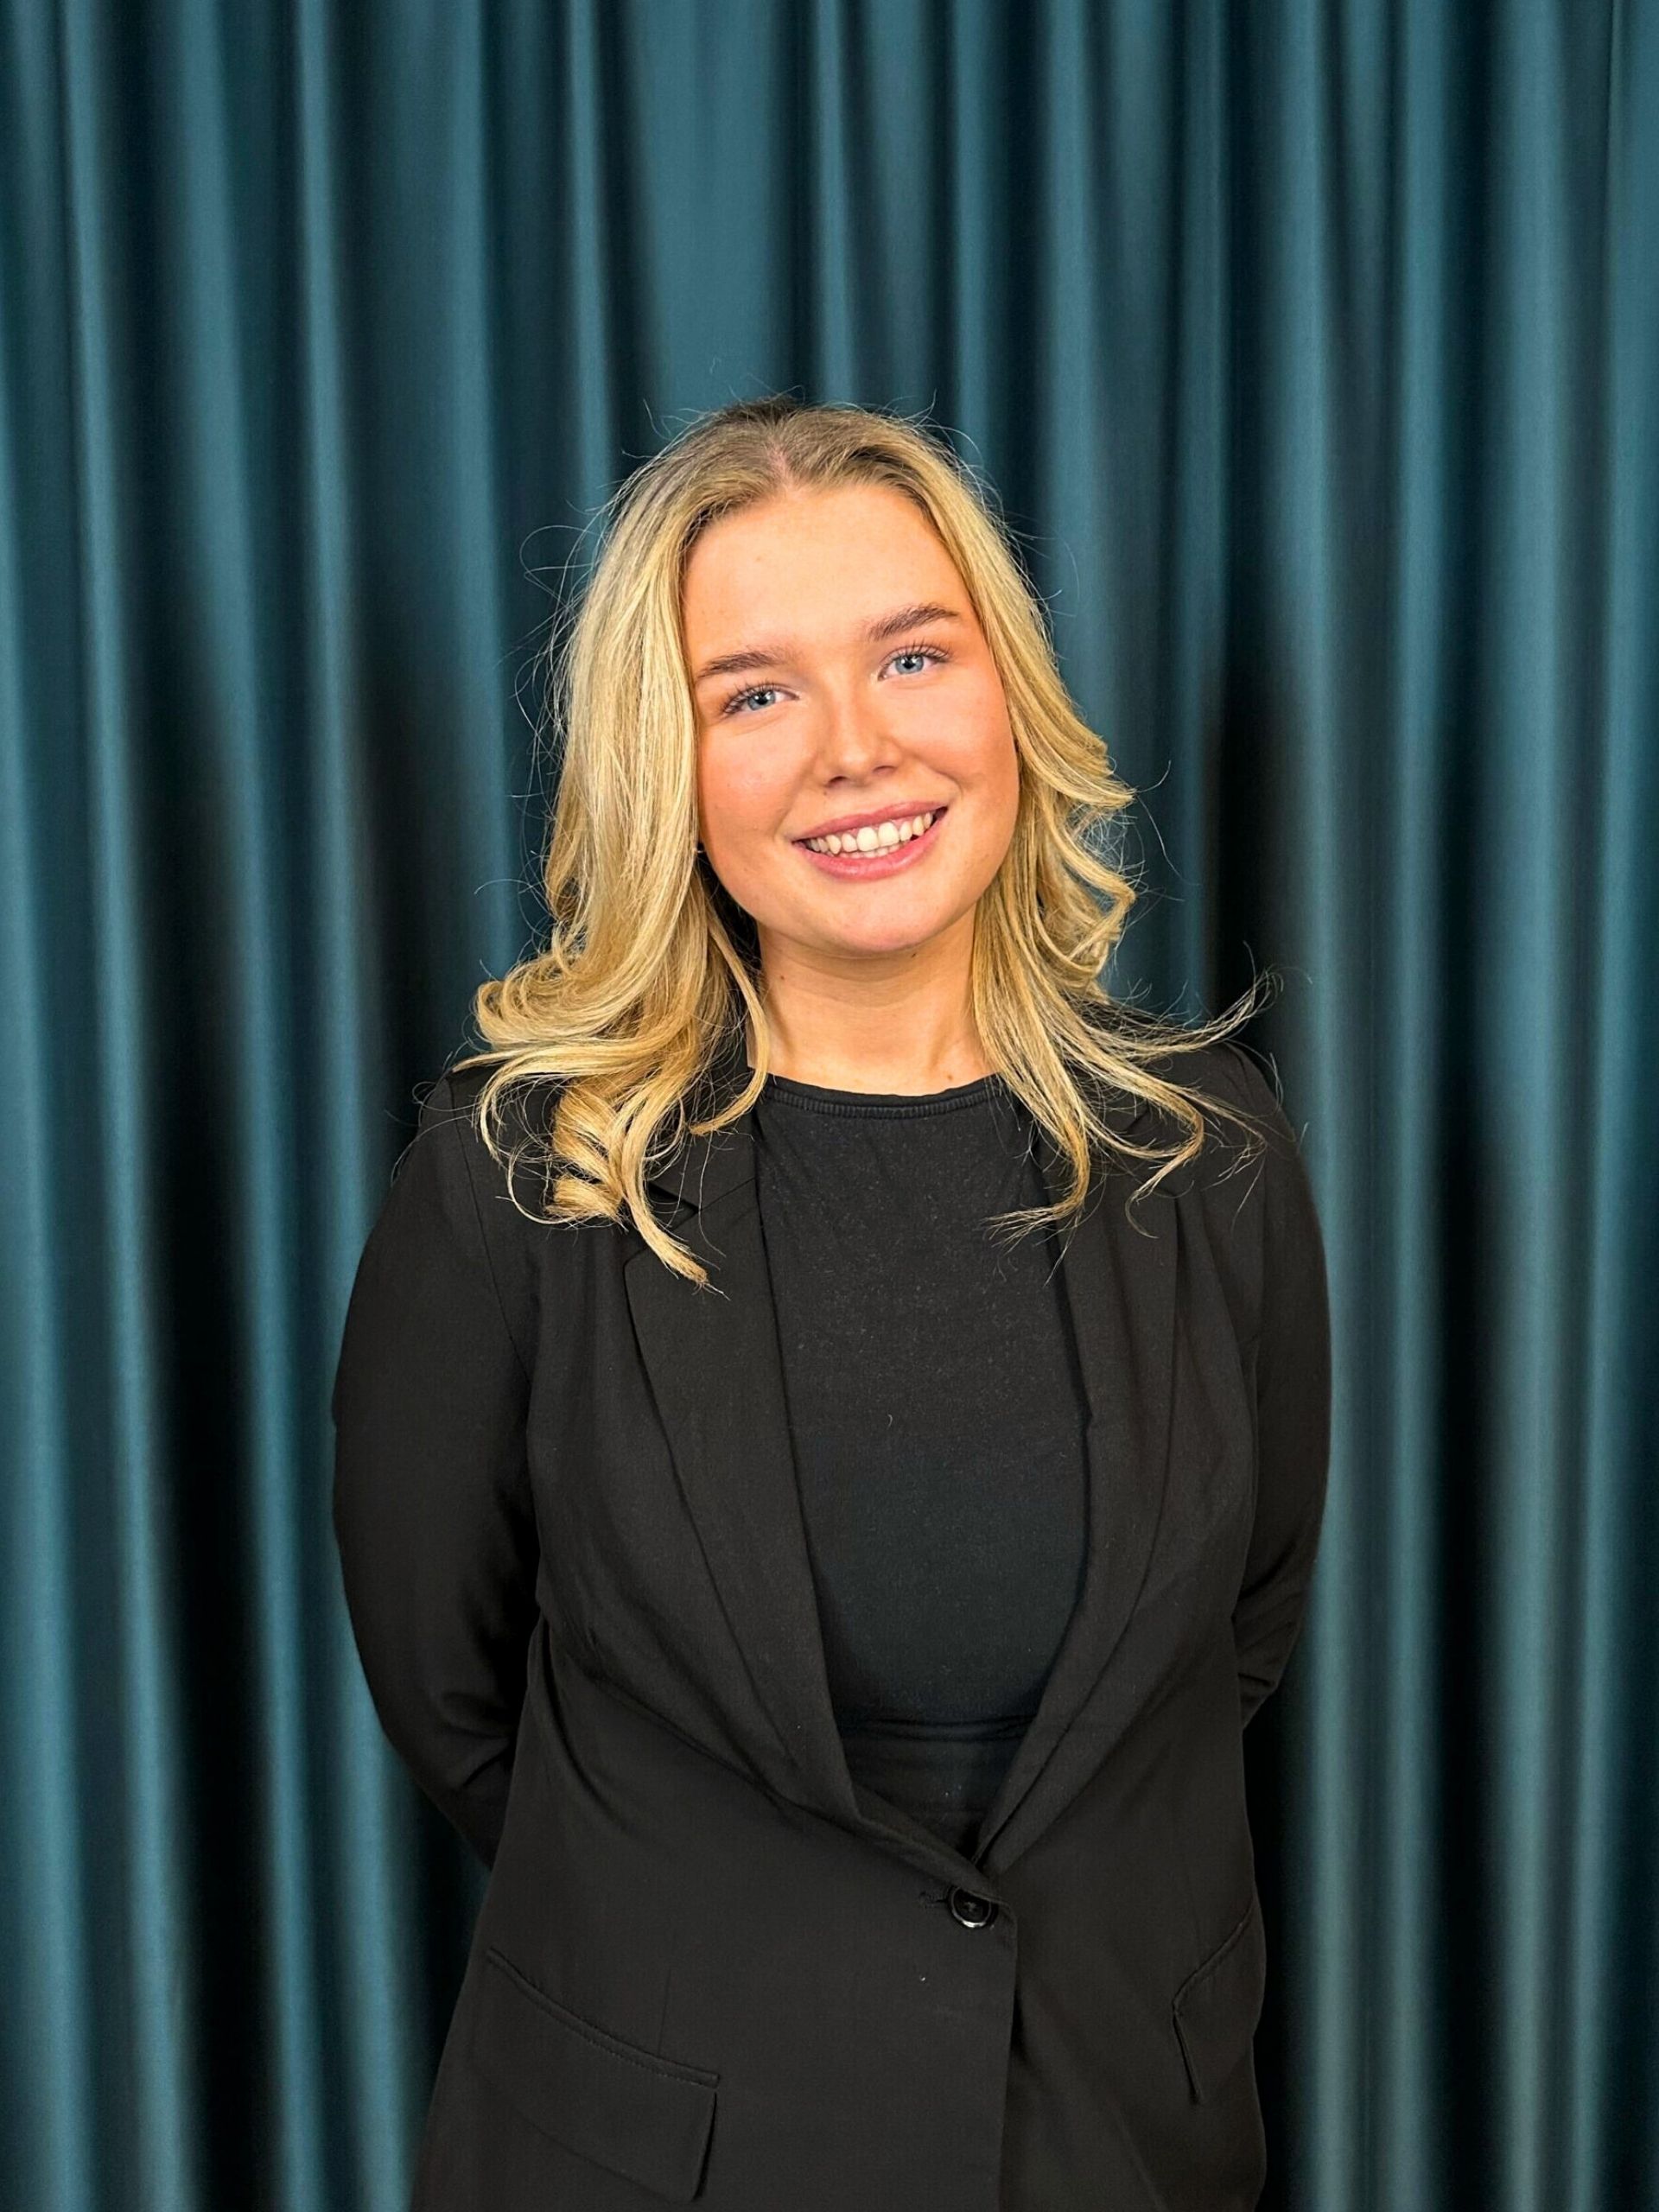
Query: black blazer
<point>707,1967</point>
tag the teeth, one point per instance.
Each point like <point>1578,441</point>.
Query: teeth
<point>880,839</point>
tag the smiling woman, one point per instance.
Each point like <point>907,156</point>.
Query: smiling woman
<point>806,621</point>
<point>866,945</point>
<point>835,1634</point>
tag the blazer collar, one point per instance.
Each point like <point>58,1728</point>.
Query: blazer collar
<point>716,1371</point>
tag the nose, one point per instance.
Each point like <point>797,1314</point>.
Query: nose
<point>852,742</point>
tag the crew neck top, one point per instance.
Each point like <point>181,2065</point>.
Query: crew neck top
<point>937,1418</point>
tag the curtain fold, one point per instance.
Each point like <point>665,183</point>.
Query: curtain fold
<point>1313,352</point>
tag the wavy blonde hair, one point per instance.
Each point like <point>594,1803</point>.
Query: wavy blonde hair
<point>651,967</point>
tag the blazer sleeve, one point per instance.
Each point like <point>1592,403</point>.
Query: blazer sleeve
<point>432,1508</point>
<point>1292,1409</point>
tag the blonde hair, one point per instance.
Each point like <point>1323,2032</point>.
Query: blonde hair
<point>650,965</point>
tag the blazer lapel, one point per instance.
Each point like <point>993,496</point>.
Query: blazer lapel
<point>1120,1286</point>
<point>717,1370</point>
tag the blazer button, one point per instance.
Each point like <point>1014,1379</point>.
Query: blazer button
<point>973,1911</point>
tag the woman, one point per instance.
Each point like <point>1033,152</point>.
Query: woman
<point>834,1624</point>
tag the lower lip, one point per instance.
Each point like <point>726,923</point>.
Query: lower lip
<point>858,866</point>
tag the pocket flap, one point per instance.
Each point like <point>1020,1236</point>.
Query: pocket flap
<point>645,2117</point>
<point>1218,2006</point>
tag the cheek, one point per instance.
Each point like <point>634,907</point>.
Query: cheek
<point>976,724</point>
<point>738,792</point>
<point>991,778</point>
<point>986,758</point>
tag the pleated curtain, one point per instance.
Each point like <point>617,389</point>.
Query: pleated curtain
<point>1313,354</point>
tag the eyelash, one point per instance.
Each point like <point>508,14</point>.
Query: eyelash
<point>936,654</point>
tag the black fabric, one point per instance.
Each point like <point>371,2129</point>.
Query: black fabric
<point>938,1419</point>
<point>707,1965</point>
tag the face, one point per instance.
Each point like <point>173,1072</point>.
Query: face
<point>855,684</point>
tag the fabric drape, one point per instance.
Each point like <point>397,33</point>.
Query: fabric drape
<point>1313,352</point>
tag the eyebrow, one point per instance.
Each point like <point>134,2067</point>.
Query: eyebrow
<point>774,655</point>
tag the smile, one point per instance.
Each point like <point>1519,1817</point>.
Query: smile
<point>878,858</point>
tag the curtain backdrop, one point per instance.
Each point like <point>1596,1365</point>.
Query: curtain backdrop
<point>1313,350</point>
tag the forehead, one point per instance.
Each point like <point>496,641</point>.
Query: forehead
<point>814,564</point>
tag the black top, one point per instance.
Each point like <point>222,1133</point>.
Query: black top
<point>937,1413</point>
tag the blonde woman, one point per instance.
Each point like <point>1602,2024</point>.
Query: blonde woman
<point>831,1425</point>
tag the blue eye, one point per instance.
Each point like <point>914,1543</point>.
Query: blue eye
<point>930,653</point>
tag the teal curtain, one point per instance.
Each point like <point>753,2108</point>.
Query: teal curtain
<point>1314,351</point>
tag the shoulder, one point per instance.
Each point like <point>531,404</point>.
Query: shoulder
<point>1249,1080</point>
<point>506,1193</point>
<point>1254,1165</point>
<point>1277,1186</point>
<point>525,1115</point>
<point>1235,1075</point>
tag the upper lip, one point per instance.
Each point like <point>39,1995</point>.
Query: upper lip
<point>902,813</point>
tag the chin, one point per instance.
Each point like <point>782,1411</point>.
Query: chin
<point>902,933</point>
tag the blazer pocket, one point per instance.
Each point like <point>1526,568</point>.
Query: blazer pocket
<point>1218,2006</point>
<point>645,2117</point>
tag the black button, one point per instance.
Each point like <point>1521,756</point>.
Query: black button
<point>973,1911</point>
